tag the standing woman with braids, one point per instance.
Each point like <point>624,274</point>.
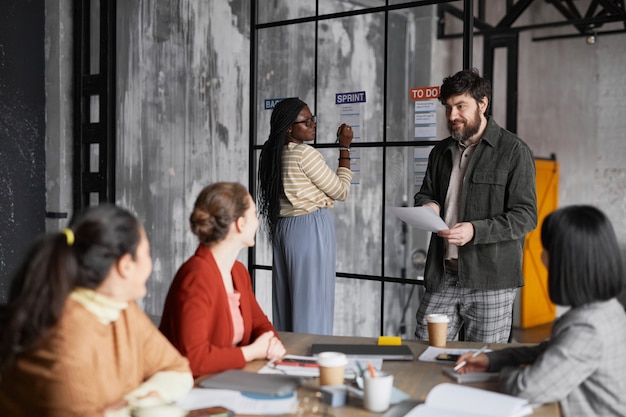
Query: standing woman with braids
<point>297,188</point>
<point>74,342</point>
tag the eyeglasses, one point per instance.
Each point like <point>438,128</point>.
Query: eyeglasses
<point>309,122</point>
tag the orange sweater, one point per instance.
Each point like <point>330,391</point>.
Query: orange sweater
<point>197,320</point>
<point>82,365</point>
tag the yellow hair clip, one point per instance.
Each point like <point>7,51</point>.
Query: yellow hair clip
<point>69,236</point>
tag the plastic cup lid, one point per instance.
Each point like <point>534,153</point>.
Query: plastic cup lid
<point>329,359</point>
<point>437,318</point>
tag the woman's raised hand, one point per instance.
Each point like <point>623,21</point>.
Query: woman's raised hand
<point>344,135</point>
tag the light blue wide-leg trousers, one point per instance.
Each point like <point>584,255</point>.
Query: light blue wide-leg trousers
<point>303,273</point>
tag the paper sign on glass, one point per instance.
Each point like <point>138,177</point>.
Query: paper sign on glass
<point>423,218</point>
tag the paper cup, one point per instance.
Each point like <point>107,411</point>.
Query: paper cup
<point>332,367</point>
<point>377,391</point>
<point>437,329</point>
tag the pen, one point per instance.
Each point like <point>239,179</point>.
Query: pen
<point>478,352</point>
<point>361,370</point>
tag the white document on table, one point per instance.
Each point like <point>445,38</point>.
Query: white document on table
<point>238,402</point>
<point>422,217</point>
<point>309,366</point>
<point>431,353</point>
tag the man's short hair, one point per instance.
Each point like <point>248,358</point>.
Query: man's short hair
<point>466,81</point>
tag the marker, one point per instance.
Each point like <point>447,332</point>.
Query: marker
<point>371,369</point>
<point>296,362</point>
<point>478,352</point>
<point>339,134</point>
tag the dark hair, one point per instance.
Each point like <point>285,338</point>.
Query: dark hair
<point>466,81</point>
<point>584,260</point>
<point>217,206</point>
<point>54,266</point>
<point>270,161</point>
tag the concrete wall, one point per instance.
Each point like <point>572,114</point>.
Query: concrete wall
<point>183,93</point>
<point>59,111</point>
<point>569,105</point>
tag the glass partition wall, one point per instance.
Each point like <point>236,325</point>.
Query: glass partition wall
<point>315,50</point>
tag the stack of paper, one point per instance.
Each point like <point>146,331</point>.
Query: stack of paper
<point>297,365</point>
<point>431,353</point>
<point>306,366</point>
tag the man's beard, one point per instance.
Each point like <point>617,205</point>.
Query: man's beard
<point>466,131</point>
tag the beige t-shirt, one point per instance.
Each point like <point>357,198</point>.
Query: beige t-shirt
<point>461,157</point>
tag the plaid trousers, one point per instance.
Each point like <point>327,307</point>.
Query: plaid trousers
<point>486,314</point>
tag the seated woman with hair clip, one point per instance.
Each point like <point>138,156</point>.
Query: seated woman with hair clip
<point>74,342</point>
<point>211,314</point>
<point>583,363</point>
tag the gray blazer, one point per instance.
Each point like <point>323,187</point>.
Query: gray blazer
<point>582,365</point>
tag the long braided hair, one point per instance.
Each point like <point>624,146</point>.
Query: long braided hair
<point>270,161</point>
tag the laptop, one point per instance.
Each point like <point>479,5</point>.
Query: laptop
<point>385,352</point>
<point>264,384</point>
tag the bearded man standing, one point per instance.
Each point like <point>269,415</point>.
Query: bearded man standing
<point>481,181</point>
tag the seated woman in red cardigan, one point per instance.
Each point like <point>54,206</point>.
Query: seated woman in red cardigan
<point>211,314</point>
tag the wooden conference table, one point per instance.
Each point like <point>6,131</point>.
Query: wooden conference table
<point>415,378</point>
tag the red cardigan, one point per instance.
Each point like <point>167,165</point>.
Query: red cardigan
<point>197,320</point>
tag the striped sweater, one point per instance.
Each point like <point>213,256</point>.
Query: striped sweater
<point>308,182</point>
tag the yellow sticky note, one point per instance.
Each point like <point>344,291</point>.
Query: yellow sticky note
<point>389,340</point>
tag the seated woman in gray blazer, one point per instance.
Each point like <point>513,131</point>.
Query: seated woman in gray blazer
<point>583,363</point>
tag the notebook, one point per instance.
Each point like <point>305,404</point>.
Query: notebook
<point>265,384</point>
<point>453,400</point>
<point>394,353</point>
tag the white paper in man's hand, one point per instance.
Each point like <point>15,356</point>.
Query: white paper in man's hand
<point>423,217</point>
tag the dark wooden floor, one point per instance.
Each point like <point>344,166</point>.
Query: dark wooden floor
<point>532,334</point>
